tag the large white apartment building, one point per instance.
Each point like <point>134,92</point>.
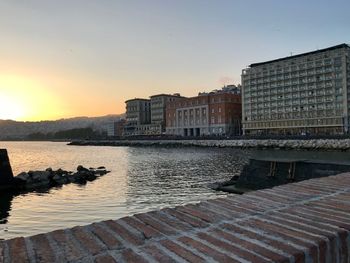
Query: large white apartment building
<point>301,94</point>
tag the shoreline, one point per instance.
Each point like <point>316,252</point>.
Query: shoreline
<point>312,144</point>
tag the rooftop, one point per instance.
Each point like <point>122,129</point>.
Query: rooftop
<point>301,55</point>
<point>176,95</point>
<point>137,99</point>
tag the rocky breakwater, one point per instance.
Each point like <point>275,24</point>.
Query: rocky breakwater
<point>49,178</point>
<point>306,144</point>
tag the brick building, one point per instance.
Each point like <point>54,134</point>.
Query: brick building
<point>214,113</point>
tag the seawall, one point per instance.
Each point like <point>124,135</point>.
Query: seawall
<point>313,144</point>
<point>308,221</point>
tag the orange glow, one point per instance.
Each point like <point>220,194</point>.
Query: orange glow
<point>22,98</point>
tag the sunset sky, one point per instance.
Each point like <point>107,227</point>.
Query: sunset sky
<point>85,58</point>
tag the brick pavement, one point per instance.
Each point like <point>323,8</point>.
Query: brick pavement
<point>307,221</point>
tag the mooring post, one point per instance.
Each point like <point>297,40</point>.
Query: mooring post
<point>6,175</point>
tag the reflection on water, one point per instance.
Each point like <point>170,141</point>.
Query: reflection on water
<point>142,179</point>
<point>5,207</point>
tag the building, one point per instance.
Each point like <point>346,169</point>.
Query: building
<point>147,116</point>
<point>213,113</point>
<point>158,108</point>
<point>301,94</point>
<point>119,127</point>
<point>116,128</point>
<point>138,116</point>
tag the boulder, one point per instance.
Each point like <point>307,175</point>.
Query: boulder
<point>60,179</point>
<point>40,175</point>
<point>23,176</point>
<point>81,168</point>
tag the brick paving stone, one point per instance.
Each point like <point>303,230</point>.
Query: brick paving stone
<point>124,233</point>
<point>66,245</point>
<point>206,250</point>
<point>18,250</point>
<point>324,217</point>
<point>181,251</point>
<point>251,208</point>
<point>251,246</point>
<point>320,240</point>
<point>161,227</point>
<point>146,230</point>
<point>131,257</point>
<point>229,206</point>
<point>157,254</point>
<point>106,237</point>
<point>193,221</point>
<point>219,209</point>
<point>173,222</point>
<point>292,236</point>
<point>87,240</point>
<point>42,249</point>
<point>105,259</point>
<point>298,254</point>
<point>331,232</point>
<point>300,221</point>
<point>2,251</point>
<point>205,216</point>
<point>270,196</point>
<point>231,248</point>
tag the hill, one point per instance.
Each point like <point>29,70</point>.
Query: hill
<point>10,129</point>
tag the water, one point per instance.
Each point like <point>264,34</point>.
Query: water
<point>142,179</point>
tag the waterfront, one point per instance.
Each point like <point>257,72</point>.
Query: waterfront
<point>141,179</point>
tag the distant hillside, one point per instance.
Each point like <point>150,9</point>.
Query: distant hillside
<point>10,129</point>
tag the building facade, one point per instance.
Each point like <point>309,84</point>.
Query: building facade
<point>214,113</point>
<point>158,108</point>
<point>147,116</point>
<point>138,115</point>
<point>116,128</point>
<point>302,94</point>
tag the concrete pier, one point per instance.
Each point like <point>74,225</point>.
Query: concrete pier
<point>308,221</point>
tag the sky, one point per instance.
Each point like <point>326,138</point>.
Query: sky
<point>66,58</point>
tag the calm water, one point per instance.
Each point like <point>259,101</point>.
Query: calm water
<point>142,179</point>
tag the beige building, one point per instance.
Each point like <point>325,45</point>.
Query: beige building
<point>147,116</point>
<point>138,116</point>
<point>301,94</point>
<point>158,108</point>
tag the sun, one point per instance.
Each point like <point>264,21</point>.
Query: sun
<point>10,108</point>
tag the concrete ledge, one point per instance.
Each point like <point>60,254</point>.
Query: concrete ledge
<point>308,221</point>
<point>307,144</point>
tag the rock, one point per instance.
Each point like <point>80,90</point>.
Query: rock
<point>81,168</point>
<point>49,170</point>
<point>40,175</point>
<point>101,172</point>
<point>60,179</point>
<point>101,167</point>
<point>79,178</point>
<point>23,176</point>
